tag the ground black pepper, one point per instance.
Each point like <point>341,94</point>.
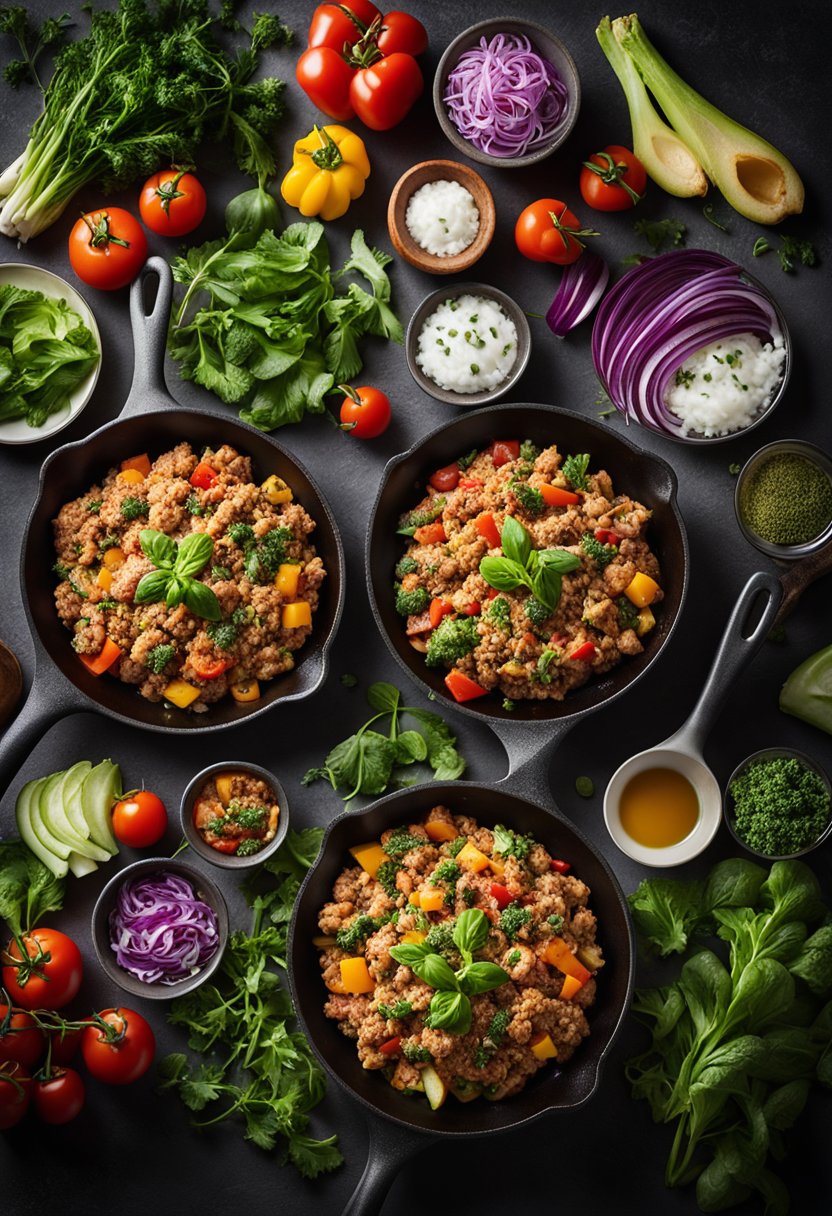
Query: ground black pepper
<point>787,500</point>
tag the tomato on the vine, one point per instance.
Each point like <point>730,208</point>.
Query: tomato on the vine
<point>123,1055</point>
<point>140,819</point>
<point>173,202</point>
<point>60,1096</point>
<point>20,1037</point>
<point>401,32</point>
<point>613,179</point>
<point>365,412</point>
<point>48,975</point>
<point>15,1093</point>
<point>547,231</point>
<point>64,1045</point>
<point>383,93</point>
<point>107,248</point>
<point>334,25</point>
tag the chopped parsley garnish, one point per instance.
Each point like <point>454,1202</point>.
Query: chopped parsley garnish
<point>530,498</point>
<point>512,844</point>
<point>469,896</point>
<point>529,451</point>
<point>386,875</point>
<point>225,633</point>
<point>249,846</point>
<point>467,460</point>
<point>492,1038</point>
<point>541,672</point>
<point>134,508</point>
<point>349,937</point>
<point>498,614</point>
<point>95,505</point>
<point>220,574</point>
<point>193,506</point>
<point>446,871</point>
<point>400,1010</point>
<point>602,555</point>
<point>158,658</point>
<point>456,845</point>
<point>108,542</point>
<point>411,520</point>
<point>627,613</point>
<point>535,611</point>
<point>508,705</point>
<point>575,470</point>
<point>401,842</point>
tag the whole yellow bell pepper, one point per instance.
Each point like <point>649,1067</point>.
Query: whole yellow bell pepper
<point>329,169</point>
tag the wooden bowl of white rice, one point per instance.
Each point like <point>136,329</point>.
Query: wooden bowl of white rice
<point>441,217</point>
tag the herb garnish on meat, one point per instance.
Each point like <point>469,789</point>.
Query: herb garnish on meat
<point>174,579</point>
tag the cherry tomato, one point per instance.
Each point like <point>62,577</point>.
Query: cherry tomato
<point>504,450</point>
<point>547,231</point>
<point>60,1097</point>
<point>107,248</point>
<point>445,479</point>
<point>51,974</point>
<point>365,412</point>
<point>64,1046</point>
<point>613,180</point>
<point>127,1057</point>
<point>383,93</point>
<point>15,1093</point>
<point>140,819</point>
<point>20,1038</point>
<point>401,32</point>
<point>332,25</point>
<point>172,202</point>
<point>325,78</point>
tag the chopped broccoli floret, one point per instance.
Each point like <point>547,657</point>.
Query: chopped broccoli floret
<point>537,612</point>
<point>511,844</point>
<point>248,847</point>
<point>241,534</point>
<point>134,508</point>
<point>492,1038</point>
<point>407,565</point>
<point>361,928</point>
<point>446,871</point>
<point>513,918</point>
<point>158,658</point>
<point>627,613</point>
<point>453,638</point>
<point>386,875</point>
<point>400,1010</point>
<point>411,520</point>
<point>602,555</point>
<point>441,938</point>
<point>529,451</point>
<point>108,542</point>
<point>455,846</point>
<point>416,1055</point>
<point>498,614</point>
<point>224,633</point>
<point>402,842</point>
<point>411,603</point>
<point>575,470</point>
<point>271,551</point>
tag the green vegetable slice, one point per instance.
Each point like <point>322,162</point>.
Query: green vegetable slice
<point>101,788</point>
<point>26,809</point>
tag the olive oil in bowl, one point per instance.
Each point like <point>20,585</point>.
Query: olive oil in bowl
<point>658,807</point>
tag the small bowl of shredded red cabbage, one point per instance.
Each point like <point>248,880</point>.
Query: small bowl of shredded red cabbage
<point>506,93</point>
<point>159,928</point>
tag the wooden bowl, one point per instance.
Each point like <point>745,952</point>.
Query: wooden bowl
<point>434,171</point>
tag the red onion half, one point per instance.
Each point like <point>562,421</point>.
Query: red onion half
<point>581,287</point>
<point>160,930</point>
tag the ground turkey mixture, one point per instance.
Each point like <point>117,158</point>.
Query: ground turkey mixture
<point>237,813</point>
<point>504,639</point>
<point>262,569</point>
<point>416,888</point>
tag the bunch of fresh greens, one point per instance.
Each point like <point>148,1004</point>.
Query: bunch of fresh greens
<point>734,1050</point>
<point>524,566</point>
<point>450,1006</point>
<point>174,579</point>
<point>367,762</point>
<point>257,1066</point>
<point>28,890</point>
<point>142,90</point>
<point>14,21</point>
<point>274,334</point>
<point>46,351</point>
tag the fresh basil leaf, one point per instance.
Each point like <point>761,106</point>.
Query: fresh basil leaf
<point>194,554</point>
<point>558,559</point>
<point>546,586</point>
<point>481,977</point>
<point>159,548</point>
<point>152,587</point>
<point>383,698</point>
<point>515,540</point>
<point>201,600</point>
<point>450,1011</point>
<point>175,592</point>
<point>443,757</point>
<point>470,932</point>
<point>377,755</point>
<point>435,971</point>
<point>502,573</point>
<point>411,953</point>
<point>410,747</point>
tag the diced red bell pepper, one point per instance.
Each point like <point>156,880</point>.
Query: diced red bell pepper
<point>392,1046</point>
<point>605,537</point>
<point>501,894</point>
<point>554,496</point>
<point>560,867</point>
<point>491,593</point>
<point>203,476</point>
<point>438,609</point>
<point>473,609</point>
<point>430,534</point>
<point>585,653</point>
<point>462,687</point>
<point>446,478</point>
<point>488,530</point>
<point>504,450</point>
<point>558,640</point>
<point>469,483</point>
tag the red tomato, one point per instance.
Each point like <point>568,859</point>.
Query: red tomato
<point>382,94</point>
<point>172,202</point>
<point>401,32</point>
<point>203,476</point>
<point>15,1093</point>
<point>140,819</point>
<point>325,78</point>
<point>547,231</point>
<point>446,478</point>
<point>365,412</point>
<point>51,975</point>
<point>107,248</point>
<point>560,867</point>
<point>60,1097</point>
<point>333,25</point>
<point>504,450</point>
<point>20,1038</point>
<point>127,1057</point>
<point>64,1046</point>
<point>501,894</point>
<point>613,180</point>
<point>207,668</point>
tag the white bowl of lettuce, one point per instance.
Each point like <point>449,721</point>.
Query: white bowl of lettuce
<point>50,353</point>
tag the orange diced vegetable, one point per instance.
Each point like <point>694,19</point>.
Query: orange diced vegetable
<point>497,866</point>
<point>462,687</point>
<point>130,477</point>
<point>415,899</point>
<point>140,463</point>
<point>439,830</point>
<point>430,534</point>
<point>296,615</point>
<point>180,693</point>
<point>114,558</point>
<point>355,977</point>
<point>487,528</point>
<point>554,496</point>
<point>203,476</point>
<point>223,783</point>
<point>571,985</point>
<point>369,856</point>
<point>276,490</point>
<point>245,691</point>
<point>438,609</point>
<point>559,955</point>
<point>471,858</point>
<point>104,579</point>
<point>642,591</point>
<point>323,941</point>
<point>413,937</point>
<point>432,900</point>
<point>98,663</point>
<point>287,578</point>
<point>543,1047</point>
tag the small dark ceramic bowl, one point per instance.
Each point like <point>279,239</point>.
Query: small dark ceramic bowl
<point>452,292</point>
<point>548,47</point>
<point>774,753</point>
<point>228,861</point>
<point>205,889</point>
<point>798,447</point>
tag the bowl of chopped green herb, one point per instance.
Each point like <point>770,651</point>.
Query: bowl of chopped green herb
<point>783,499</point>
<point>234,814</point>
<point>778,804</point>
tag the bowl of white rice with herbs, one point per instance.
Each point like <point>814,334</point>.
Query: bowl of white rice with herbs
<point>441,217</point>
<point>467,345</point>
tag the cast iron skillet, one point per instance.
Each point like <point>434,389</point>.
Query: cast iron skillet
<point>399,1118</point>
<point>151,421</point>
<point>527,730</point>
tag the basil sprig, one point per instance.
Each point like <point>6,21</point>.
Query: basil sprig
<point>450,1006</point>
<point>524,566</point>
<point>174,579</point>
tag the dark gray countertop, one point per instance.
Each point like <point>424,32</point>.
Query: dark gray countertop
<point>766,65</point>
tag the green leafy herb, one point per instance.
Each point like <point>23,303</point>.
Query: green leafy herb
<point>556,921</point>
<point>521,565</point>
<point>627,613</point>
<point>575,470</point>
<point>530,498</point>
<point>401,1009</point>
<point>349,937</point>
<point>513,918</point>
<point>249,846</point>
<point>177,564</point>
<point>512,844</point>
<point>134,508</point>
<point>493,1038</point>
<point>780,805</point>
<point>28,890</point>
<point>416,1054</point>
<point>791,251</point>
<point>467,460</point>
<point>498,614</point>
<point>529,451</point>
<point>95,505</point>
<point>508,705</point>
<point>348,680</point>
<point>224,634</point>
<point>513,958</point>
<point>158,658</point>
<point>32,43</point>
<point>658,233</point>
<point>602,555</point>
<point>407,565</point>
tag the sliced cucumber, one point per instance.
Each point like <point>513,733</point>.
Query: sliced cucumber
<point>80,866</point>
<point>41,828</point>
<point>53,815</point>
<point>72,797</point>
<point>100,789</point>
<point>435,1088</point>
<point>27,801</point>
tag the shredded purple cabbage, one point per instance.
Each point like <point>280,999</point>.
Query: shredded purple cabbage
<point>505,98</point>
<point>160,930</point>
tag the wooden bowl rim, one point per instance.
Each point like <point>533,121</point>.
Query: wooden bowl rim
<point>431,171</point>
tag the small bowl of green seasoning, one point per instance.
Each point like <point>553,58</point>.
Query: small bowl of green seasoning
<point>783,499</point>
<point>778,804</point>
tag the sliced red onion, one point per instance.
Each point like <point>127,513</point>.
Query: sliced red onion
<point>160,930</point>
<point>581,287</point>
<point>505,98</point>
<point>658,315</point>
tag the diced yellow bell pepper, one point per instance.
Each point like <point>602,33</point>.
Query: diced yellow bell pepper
<point>415,899</point>
<point>642,590</point>
<point>245,691</point>
<point>439,830</point>
<point>432,900</point>
<point>276,490</point>
<point>513,669</point>
<point>287,578</point>
<point>543,1048</point>
<point>180,693</point>
<point>571,985</point>
<point>329,169</point>
<point>369,856</point>
<point>104,579</point>
<point>497,866</point>
<point>559,955</point>
<point>323,941</point>
<point>114,558</point>
<point>223,783</point>
<point>471,858</point>
<point>140,463</point>
<point>645,622</point>
<point>413,937</point>
<point>130,477</point>
<point>296,615</point>
<point>355,977</point>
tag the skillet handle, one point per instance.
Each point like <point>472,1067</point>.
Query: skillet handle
<point>529,746</point>
<point>800,576</point>
<point>44,706</point>
<point>150,332</point>
<point>389,1149</point>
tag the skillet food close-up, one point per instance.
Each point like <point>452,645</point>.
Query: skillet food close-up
<point>415,664</point>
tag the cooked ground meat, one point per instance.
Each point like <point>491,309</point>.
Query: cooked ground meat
<point>262,562</point>
<point>236,812</point>
<point>504,640</point>
<point>540,931</point>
